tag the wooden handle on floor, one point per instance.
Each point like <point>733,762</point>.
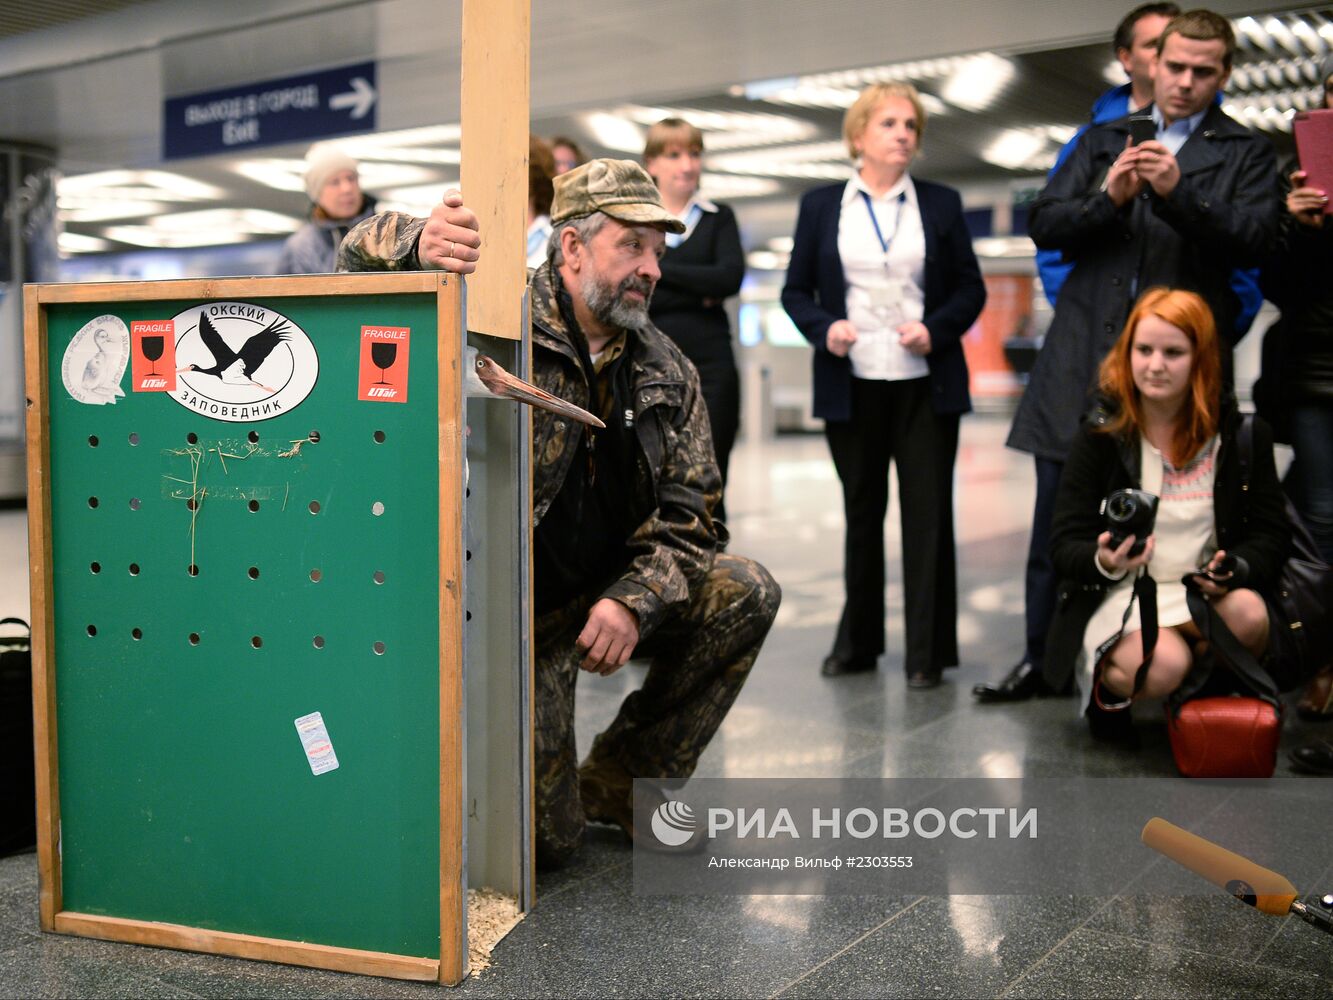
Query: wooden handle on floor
<point>1250,883</point>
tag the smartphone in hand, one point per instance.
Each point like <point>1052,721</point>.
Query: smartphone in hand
<point>1142,128</point>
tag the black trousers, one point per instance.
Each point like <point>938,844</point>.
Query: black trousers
<point>1039,581</point>
<point>894,421</point>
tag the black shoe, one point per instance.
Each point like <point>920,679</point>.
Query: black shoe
<point>1020,684</point>
<point>1317,758</point>
<point>921,680</point>
<point>836,666</point>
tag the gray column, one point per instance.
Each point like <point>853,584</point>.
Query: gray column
<point>28,252</point>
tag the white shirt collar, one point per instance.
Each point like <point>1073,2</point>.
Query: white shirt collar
<point>704,205</point>
<point>904,187</point>
<point>1185,125</point>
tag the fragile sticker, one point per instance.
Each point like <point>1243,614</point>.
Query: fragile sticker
<point>153,355</point>
<point>316,743</point>
<point>384,357</point>
<point>95,360</point>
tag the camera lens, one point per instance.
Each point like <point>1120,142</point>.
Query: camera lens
<point>1121,507</point>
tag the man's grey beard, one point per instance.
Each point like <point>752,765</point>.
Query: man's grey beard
<point>610,306</point>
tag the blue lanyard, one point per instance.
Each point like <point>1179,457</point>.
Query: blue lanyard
<point>897,220</point>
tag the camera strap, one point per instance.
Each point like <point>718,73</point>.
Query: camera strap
<point>1145,593</point>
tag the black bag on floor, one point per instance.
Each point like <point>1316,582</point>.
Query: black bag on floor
<point>18,786</point>
<point>1301,605</point>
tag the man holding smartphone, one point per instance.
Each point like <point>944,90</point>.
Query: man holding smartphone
<point>1184,209</point>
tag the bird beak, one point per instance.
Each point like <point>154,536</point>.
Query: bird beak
<point>505,386</point>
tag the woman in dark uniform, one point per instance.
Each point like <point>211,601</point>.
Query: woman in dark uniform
<point>702,267</point>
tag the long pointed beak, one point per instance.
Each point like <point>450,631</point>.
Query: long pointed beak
<point>500,383</point>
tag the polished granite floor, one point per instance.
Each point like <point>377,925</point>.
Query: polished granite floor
<point>591,935</point>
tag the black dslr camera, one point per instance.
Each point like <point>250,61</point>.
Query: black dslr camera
<point>1130,512</point>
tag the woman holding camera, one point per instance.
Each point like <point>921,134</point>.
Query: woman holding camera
<point>1162,426</point>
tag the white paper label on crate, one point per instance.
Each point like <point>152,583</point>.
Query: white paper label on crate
<point>241,362</point>
<point>315,740</point>
<point>95,360</point>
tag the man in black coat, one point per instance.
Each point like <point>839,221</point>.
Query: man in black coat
<point>1183,210</point>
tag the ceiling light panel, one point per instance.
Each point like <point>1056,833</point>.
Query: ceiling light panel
<point>978,81</point>
<point>728,129</point>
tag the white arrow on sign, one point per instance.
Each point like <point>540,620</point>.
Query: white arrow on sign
<point>359,98</point>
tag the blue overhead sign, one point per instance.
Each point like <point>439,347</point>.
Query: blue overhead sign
<point>310,106</point>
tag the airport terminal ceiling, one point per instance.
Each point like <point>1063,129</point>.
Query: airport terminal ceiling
<point>1005,85</point>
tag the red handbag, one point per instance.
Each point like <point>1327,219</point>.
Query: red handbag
<point>1228,736</point>
<point>1225,737</point>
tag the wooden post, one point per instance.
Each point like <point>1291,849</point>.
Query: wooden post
<point>495,126</point>
<point>495,122</point>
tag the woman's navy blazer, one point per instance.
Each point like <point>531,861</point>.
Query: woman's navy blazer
<point>815,294</point>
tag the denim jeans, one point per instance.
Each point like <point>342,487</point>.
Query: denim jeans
<point>1310,482</point>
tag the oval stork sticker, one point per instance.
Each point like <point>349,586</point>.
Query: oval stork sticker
<point>241,362</point>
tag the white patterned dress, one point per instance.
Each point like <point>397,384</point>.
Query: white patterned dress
<point>1186,539</point>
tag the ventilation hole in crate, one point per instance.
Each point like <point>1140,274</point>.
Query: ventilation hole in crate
<point>318,642</point>
<point>92,630</point>
<point>253,571</point>
<point>253,505</point>
<point>379,437</point>
<point>192,569</point>
<point>192,438</point>
<point>96,567</point>
<point>468,615</point>
<point>253,437</point>
<point>314,437</point>
<point>314,506</point>
<point>194,638</point>
<point>378,576</point>
<point>379,648</point>
<point>136,634</point>
<point>377,508</point>
<point>93,502</point>
<point>134,569</point>
<point>467,494</point>
<point>316,575</point>
<point>469,555</point>
<point>92,441</point>
<point>134,503</point>
<point>256,641</point>
<point>134,439</point>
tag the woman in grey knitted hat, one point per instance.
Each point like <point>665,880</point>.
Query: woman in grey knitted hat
<point>337,203</point>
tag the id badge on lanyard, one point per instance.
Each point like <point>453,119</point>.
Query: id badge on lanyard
<point>886,298</point>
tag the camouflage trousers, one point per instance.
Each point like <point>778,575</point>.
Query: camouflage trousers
<point>698,660</point>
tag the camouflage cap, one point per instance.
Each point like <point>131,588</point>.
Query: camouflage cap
<point>620,188</point>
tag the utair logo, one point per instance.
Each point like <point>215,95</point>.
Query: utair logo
<point>673,823</point>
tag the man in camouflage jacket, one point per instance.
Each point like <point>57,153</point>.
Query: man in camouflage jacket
<point>629,560</point>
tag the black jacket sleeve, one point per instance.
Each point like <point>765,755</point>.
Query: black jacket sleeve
<point>1088,476</point>
<point>800,294</point>
<point>1072,211</point>
<point>1263,537</point>
<point>1240,228</point>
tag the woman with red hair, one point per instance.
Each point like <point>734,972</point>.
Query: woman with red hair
<point>1161,425</point>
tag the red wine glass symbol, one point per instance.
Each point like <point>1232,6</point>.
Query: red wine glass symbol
<point>152,352</point>
<point>382,355</point>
